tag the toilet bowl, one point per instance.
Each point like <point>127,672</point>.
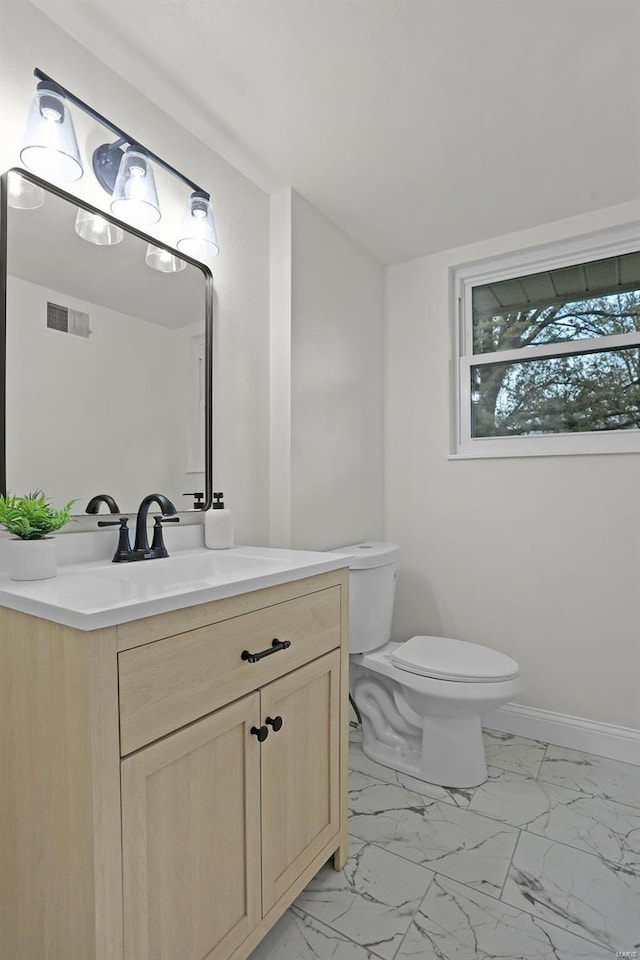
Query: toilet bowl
<point>439,737</point>
<point>421,701</point>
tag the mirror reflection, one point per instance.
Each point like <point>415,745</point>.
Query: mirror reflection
<point>105,359</point>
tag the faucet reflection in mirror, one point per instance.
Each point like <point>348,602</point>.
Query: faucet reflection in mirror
<point>123,168</point>
<point>94,504</point>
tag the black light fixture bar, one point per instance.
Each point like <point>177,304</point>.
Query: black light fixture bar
<point>121,134</point>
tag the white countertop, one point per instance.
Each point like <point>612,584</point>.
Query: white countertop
<point>98,594</point>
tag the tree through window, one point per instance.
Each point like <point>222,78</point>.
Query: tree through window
<point>585,391</point>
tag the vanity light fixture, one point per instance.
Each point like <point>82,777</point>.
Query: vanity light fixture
<point>22,194</point>
<point>106,161</point>
<point>198,238</point>
<point>95,229</point>
<point>50,147</point>
<point>123,168</point>
<point>135,198</point>
<point>158,258</point>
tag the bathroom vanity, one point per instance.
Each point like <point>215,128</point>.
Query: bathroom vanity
<point>173,733</point>
<point>174,753</point>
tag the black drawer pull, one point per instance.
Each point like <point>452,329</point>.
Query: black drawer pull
<point>260,732</point>
<point>275,646</point>
<point>275,723</point>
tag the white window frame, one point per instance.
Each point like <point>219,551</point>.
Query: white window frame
<point>464,278</point>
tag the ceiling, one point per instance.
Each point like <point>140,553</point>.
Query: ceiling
<point>415,125</point>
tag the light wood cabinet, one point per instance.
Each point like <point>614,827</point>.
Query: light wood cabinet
<point>191,838</point>
<point>142,818</point>
<point>300,772</point>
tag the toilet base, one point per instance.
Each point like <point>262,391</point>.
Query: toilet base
<point>453,751</point>
<point>450,752</point>
<point>405,760</point>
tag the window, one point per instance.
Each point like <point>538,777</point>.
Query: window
<point>549,350</point>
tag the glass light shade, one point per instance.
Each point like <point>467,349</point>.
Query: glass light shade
<point>22,194</point>
<point>163,260</point>
<point>135,198</point>
<point>50,147</point>
<point>95,229</point>
<point>198,237</point>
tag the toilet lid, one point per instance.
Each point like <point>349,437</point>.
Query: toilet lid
<point>445,659</point>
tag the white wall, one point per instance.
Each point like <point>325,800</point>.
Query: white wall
<point>538,557</point>
<point>241,272</point>
<point>280,368</point>
<point>336,385</point>
<point>326,383</point>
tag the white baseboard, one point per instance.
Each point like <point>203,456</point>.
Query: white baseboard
<point>590,736</point>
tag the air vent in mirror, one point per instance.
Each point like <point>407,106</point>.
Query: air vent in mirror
<point>66,320</point>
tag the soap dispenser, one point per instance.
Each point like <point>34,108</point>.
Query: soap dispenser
<point>218,525</point>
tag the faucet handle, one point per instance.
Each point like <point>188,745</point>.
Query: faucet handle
<point>123,550</point>
<point>122,523</point>
<point>157,544</point>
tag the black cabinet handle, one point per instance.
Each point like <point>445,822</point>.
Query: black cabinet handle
<point>275,723</point>
<point>260,732</point>
<point>275,646</point>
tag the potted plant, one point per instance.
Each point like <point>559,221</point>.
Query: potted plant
<point>31,519</point>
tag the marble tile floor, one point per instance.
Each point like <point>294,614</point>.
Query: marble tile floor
<point>541,862</point>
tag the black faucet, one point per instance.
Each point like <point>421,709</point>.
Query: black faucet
<point>141,549</point>
<point>94,504</point>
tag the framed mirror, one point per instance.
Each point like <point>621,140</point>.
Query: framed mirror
<point>106,356</point>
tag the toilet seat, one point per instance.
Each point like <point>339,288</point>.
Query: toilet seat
<point>443,658</point>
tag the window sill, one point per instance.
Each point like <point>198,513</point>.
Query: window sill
<point>552,446</point>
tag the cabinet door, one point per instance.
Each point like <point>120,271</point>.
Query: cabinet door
<point>191,839</point>
<point>300,772</point>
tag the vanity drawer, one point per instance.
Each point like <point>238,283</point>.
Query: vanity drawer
<point>169,683</point>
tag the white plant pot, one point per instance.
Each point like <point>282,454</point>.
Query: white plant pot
<point>32,559</point>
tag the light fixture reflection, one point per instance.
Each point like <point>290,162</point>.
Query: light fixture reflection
<point>50,147</point>
<point>135,198</point>
<point>95,229</point>
<point>163,260</point>
<point>22,194</point>
<point>198,237</point>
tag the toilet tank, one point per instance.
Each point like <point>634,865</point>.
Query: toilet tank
<point>372,587</point>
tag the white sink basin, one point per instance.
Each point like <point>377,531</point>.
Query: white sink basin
<point>189,568</point>
<point>93,595</point>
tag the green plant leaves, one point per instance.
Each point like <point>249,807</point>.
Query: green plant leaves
<point>32,517</point>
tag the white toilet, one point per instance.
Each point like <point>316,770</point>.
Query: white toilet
<point>420,701</point>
